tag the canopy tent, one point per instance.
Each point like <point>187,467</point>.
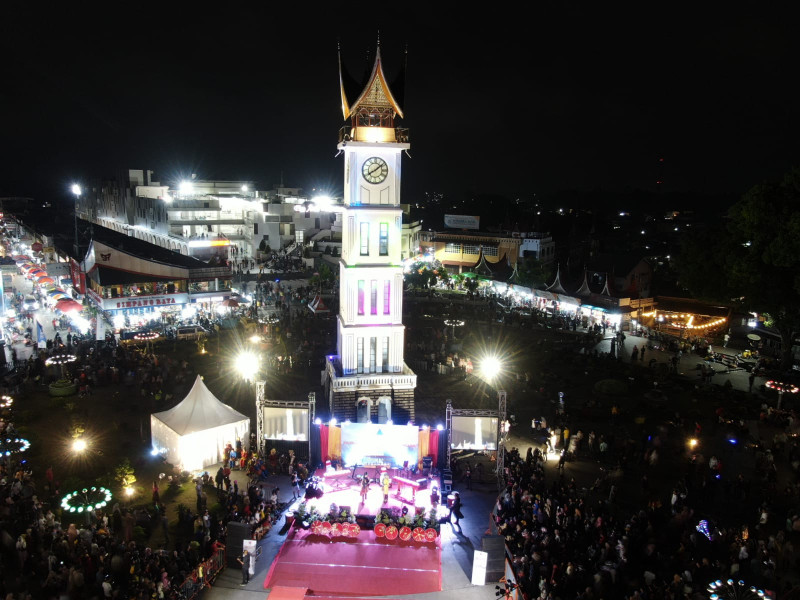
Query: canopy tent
<point>317,305</point>
<point>193,434</point>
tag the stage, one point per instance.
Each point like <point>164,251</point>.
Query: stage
<point>362,566</point>
<point>341,489</point>
<point>366,565</point>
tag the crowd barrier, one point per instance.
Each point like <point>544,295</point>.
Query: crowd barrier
<point>194,583</point>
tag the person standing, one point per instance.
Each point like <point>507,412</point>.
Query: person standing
<point>385,482</point>
<point>750,381</point>
<point>456,509</point>
<point>296,486</point>
<point>468,477</point>
<point>245,562</point>
<point>364,488</point>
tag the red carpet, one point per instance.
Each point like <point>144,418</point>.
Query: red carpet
<point>364,566</point>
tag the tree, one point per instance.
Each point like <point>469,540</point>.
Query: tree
<point>124,474</point>
<point>533,273</point>
<point>754,262</point>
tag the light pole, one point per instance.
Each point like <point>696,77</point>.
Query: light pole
<point>76,189</point>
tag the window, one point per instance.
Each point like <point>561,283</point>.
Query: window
<point>385,361</point>
<point>373,297</point>
<point>364,239</point>
<point>472,249</point>
<point>373,352</point>
<point>387,292</point>
<point>383,242</point>
<point>490,250</point>
<point>361,297</point>
<point>255,228</point>
<point>360,355</point>
<point>452,248</point>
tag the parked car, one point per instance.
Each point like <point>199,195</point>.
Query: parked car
<point>30,303</point>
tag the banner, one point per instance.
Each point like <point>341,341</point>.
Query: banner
<point>41,338</point>
<point>462,221</point>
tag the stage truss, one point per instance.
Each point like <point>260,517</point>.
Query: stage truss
<point>502,430</point>
<point>262,402</point>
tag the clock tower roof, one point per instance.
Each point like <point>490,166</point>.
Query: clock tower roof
<point>373,92</point>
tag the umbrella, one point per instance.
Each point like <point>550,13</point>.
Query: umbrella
<point>45,280</point>
<point>753,336</point>
<point>230,302</point>
<point>21,258</point>
<point>68,306</point>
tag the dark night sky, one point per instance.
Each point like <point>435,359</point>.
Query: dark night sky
<point>561,98</point>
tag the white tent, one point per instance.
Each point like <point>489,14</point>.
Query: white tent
<point>193,434</point>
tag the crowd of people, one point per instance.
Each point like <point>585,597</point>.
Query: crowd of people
<point>567,547</point>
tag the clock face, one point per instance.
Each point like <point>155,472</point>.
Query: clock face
<point>375,170</point>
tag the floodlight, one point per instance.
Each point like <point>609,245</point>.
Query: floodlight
<point>247,364</point>
<point>490,367</point>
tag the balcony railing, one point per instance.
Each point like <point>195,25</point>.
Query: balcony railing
<point>407,378</point>
<point>401,134</point>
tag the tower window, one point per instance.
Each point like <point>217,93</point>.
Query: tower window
<point>373,354</point>
<point>383,241</point>
<point>385,361</point>
<point>361,297</point>
<point>373,297</point>
<point>364,239</point>
<point>387,291</point>
<point>360,355</point>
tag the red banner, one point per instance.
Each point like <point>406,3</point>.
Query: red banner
<point>78,276</point>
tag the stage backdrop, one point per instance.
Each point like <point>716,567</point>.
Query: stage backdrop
<point>395,444</point>
<point>285,424</point>
<point>474,433</point>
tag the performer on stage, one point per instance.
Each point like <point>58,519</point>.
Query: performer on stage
<point>364,488</point>
<point>385,481</point>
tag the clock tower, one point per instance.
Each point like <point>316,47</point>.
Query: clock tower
<point>368,379</point>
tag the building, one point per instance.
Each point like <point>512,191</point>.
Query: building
<point>209,220</point>
<point>461,251</point>
<point>539,246</point>
<point>132,280</point>
<point>368,375</point>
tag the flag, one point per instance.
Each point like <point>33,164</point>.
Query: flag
<point>40,336</point>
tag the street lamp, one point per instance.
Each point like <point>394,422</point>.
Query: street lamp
<point>76,189</point>
<point>79,445</point>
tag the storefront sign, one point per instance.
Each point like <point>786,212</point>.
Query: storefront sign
<point>144,301</point>
<point>462,221</point>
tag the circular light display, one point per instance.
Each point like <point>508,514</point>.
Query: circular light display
<point>86,499</point>
<point>11,446</point>
<point>145,337</point>
<point>786,388</point>
<point>6,401</point>
<point>453,323</point>
<point>60,359</point>
<point>735,590</point>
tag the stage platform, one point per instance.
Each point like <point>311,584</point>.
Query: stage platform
<point>363,566</point>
